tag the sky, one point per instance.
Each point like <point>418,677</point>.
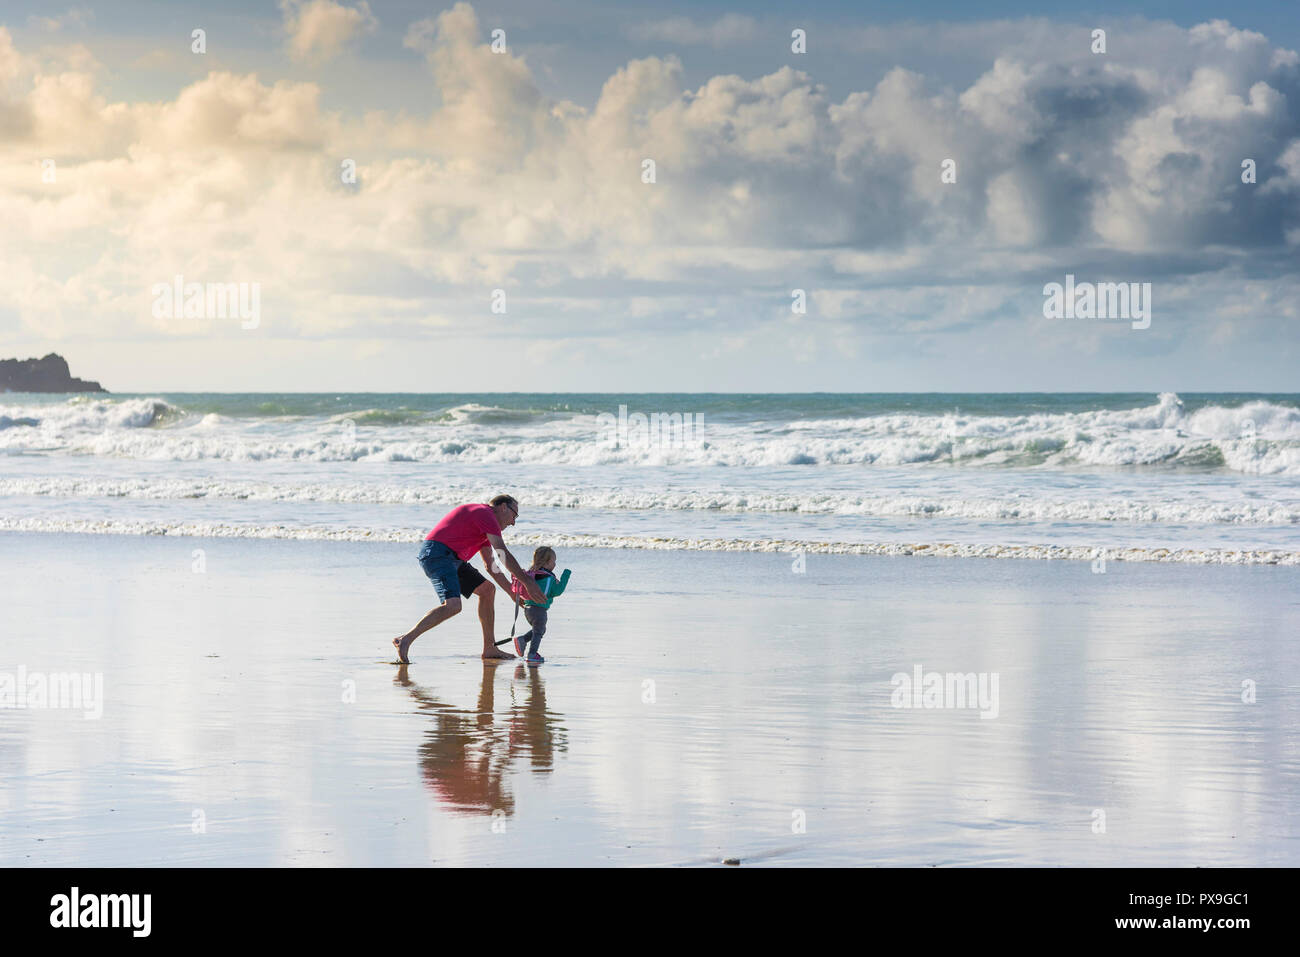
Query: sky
<point>651,197</point>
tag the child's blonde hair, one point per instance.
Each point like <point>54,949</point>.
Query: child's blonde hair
<point>542,555</point>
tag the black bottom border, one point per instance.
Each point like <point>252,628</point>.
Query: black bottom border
<point>243,905</point>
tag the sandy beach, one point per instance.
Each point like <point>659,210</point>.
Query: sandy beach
<point>695,706</point>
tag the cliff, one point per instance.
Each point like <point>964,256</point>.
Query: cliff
<point>47,374</point>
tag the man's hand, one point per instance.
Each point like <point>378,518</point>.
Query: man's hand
<point>512,566</point>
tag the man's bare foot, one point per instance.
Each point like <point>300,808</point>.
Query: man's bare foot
<point>498,653</point>
<point>402,646</point>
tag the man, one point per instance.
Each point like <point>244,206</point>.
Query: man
<point>445,556</point>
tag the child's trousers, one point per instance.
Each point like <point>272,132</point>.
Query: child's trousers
<point>533,638</point>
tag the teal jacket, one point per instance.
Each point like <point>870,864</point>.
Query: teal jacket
<point>551,587</point>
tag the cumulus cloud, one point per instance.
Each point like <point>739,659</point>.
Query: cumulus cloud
<point>11,61</point>
<point>491,109</point>
<point>1114,168</point>
<point>320,29</point>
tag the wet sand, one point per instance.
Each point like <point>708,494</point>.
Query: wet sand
<point>694,706</point>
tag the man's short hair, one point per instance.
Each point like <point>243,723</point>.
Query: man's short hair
<point>505,500</point>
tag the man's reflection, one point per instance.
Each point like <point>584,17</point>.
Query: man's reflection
<point>467,756</point>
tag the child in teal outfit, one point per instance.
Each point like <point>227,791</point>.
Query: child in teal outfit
<point>543,572</point>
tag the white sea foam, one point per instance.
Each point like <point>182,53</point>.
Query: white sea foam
<point>1198,556</point>
<point>1259,438</point>
<point>82,415</point>
<point>1190,508</point>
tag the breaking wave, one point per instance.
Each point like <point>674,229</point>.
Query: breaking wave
<point>1257,437</point>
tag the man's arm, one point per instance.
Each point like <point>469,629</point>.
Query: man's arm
<point>491,566</point>
<point>512,566</point>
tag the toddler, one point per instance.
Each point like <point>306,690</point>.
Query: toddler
<point>543,572</point>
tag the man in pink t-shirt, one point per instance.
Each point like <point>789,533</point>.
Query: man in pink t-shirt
<point>445,555</point>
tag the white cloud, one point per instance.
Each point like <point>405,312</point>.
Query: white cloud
<point>320,29</point>
<point>11,61</point>
<point>763,184</point>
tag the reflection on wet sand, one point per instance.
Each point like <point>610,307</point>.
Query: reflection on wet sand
<point>468,756</point>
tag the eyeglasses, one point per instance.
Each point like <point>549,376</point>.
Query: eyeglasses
<point>512,508</point>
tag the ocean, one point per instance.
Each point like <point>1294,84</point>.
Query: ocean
<point>227,573</point>
<point>1135,476</point>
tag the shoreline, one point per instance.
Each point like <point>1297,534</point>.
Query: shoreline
<point>792,547</point>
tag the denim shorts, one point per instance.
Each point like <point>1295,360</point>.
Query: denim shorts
<point>442,565</point>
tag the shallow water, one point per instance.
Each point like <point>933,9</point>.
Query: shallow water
<point>224,706</point>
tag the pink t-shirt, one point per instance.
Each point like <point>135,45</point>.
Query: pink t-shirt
<point>465,529</point>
